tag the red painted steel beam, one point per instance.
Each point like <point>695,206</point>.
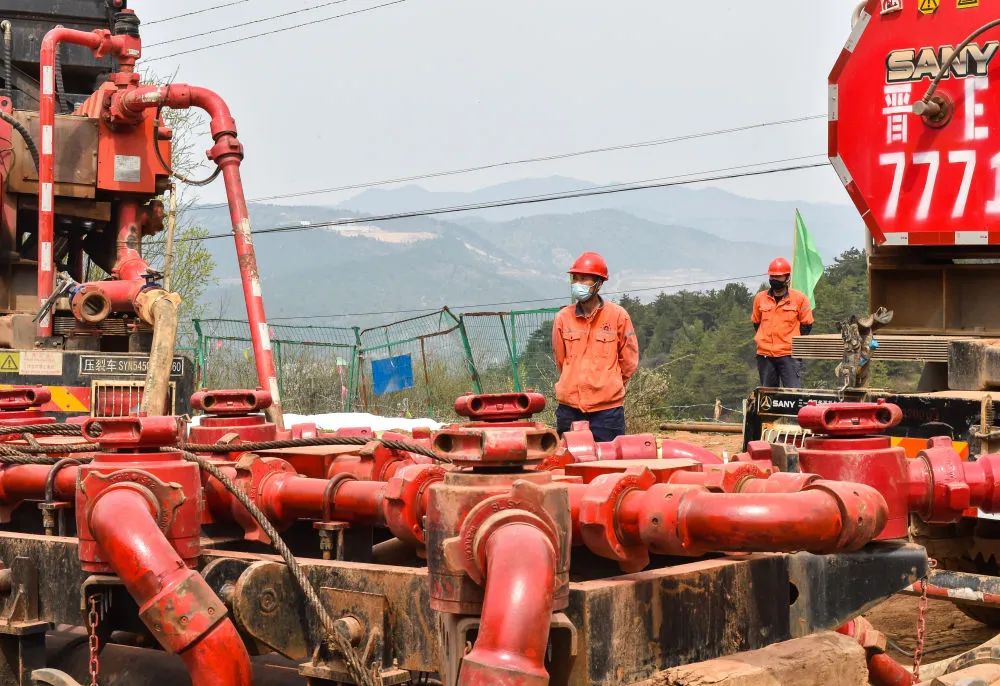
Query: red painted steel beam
<point>517,610</point>
<point>177,605</point>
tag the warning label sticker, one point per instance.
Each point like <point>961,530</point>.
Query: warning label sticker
<point>10,363</point>
<point>41,363</point>
<point>965,4</point>
<point>929,6</point>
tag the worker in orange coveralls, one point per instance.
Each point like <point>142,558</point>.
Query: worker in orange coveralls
<point>779,314</point>
<point>596,350</point>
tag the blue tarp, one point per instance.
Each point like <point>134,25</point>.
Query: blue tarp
<point>392,374</point>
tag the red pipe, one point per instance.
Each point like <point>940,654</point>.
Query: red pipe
<point>882,669</point>
<point>517,610</point>
<point>27,482</point>
<point>96,41</point>
<point>228,155</point>
<point>680,450</point>
<point>123,525</point>
<point>288,498</point>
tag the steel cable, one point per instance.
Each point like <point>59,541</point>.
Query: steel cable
<point>314,442</point>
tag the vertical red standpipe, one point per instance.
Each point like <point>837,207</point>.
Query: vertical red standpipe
<point>123,525</point>
<point>96,41</point>
<point>228,155</point>
<point>517,610</point>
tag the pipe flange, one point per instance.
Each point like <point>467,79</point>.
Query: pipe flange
<point>466,552</point>
<point>330,494</point>
<point>180,615</point>
<point>164,498</point>
<point>599,515</point>
<point>731,477</point>
<point>402,502</point>
<point>252,473</point>
<point>950,494</point>
<point>863,513</point>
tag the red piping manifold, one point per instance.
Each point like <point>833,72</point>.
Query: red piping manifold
<point>285,497</point>
<point>625,517</point>
<point>175,602</point>
<point>938,486</point>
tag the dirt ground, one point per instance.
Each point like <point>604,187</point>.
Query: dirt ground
<point>949,632</point>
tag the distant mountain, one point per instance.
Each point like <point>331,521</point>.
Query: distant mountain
<point>727,215</point>
<point>653,240</point>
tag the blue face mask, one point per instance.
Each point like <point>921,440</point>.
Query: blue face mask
<point>581,292</point>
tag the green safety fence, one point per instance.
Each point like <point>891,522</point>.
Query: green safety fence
<point>331,369</point>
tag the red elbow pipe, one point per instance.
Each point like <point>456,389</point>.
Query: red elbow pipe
<point>177,605</point>
<point>517,610</point>
<point>827,517</point>
<point>679,450</point>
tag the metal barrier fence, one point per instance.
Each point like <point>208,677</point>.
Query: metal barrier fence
<point>414,367</point>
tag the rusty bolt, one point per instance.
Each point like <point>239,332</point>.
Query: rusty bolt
<point>184,620</point>
<point>268,601</point>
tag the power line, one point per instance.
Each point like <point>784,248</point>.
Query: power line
<point>191,14</point>
<point>246,23</point>
<point>664,182</point>
<point>730,279</point>
<point>270,33</point>
<point>530,160</point>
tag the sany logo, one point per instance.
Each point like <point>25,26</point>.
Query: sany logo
<point>907,65</point>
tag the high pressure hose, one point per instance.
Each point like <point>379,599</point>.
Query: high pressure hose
<point>8,57</point>
<point>61,102</point>
<point>946,67</point>
<point>29,142</point>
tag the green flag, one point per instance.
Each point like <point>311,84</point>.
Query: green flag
<point>807,265</point>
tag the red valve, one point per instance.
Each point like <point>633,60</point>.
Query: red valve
<point>494,446</point>
<point>231,402</point>
<point>24,398</point>
<point>500,407</point>
<point>133,432</point>
<point>850,419</point>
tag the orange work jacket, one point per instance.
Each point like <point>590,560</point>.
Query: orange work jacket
<point>596,356</point>
<point>779,321</point>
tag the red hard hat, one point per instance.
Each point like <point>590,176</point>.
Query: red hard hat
<point>590,264</point>
<point>779,267</point>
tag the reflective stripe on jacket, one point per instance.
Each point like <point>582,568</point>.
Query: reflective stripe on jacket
<point>596,356</point>
<point>779,321</point>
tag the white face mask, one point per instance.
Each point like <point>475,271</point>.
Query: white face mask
<point>581,292</point>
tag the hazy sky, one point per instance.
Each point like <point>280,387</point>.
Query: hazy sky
<point>427,85</point>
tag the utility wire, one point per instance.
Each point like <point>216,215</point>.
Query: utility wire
<point>246,23</point>
<point>270,33</point>
<point>191,14</point>
<point>529,160</point>
<point>664,182</point>
<point>661,287</point>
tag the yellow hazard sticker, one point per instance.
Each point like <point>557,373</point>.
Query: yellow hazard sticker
<point>10,363</point>
<point>929,6</point>
<point>965,4</point>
